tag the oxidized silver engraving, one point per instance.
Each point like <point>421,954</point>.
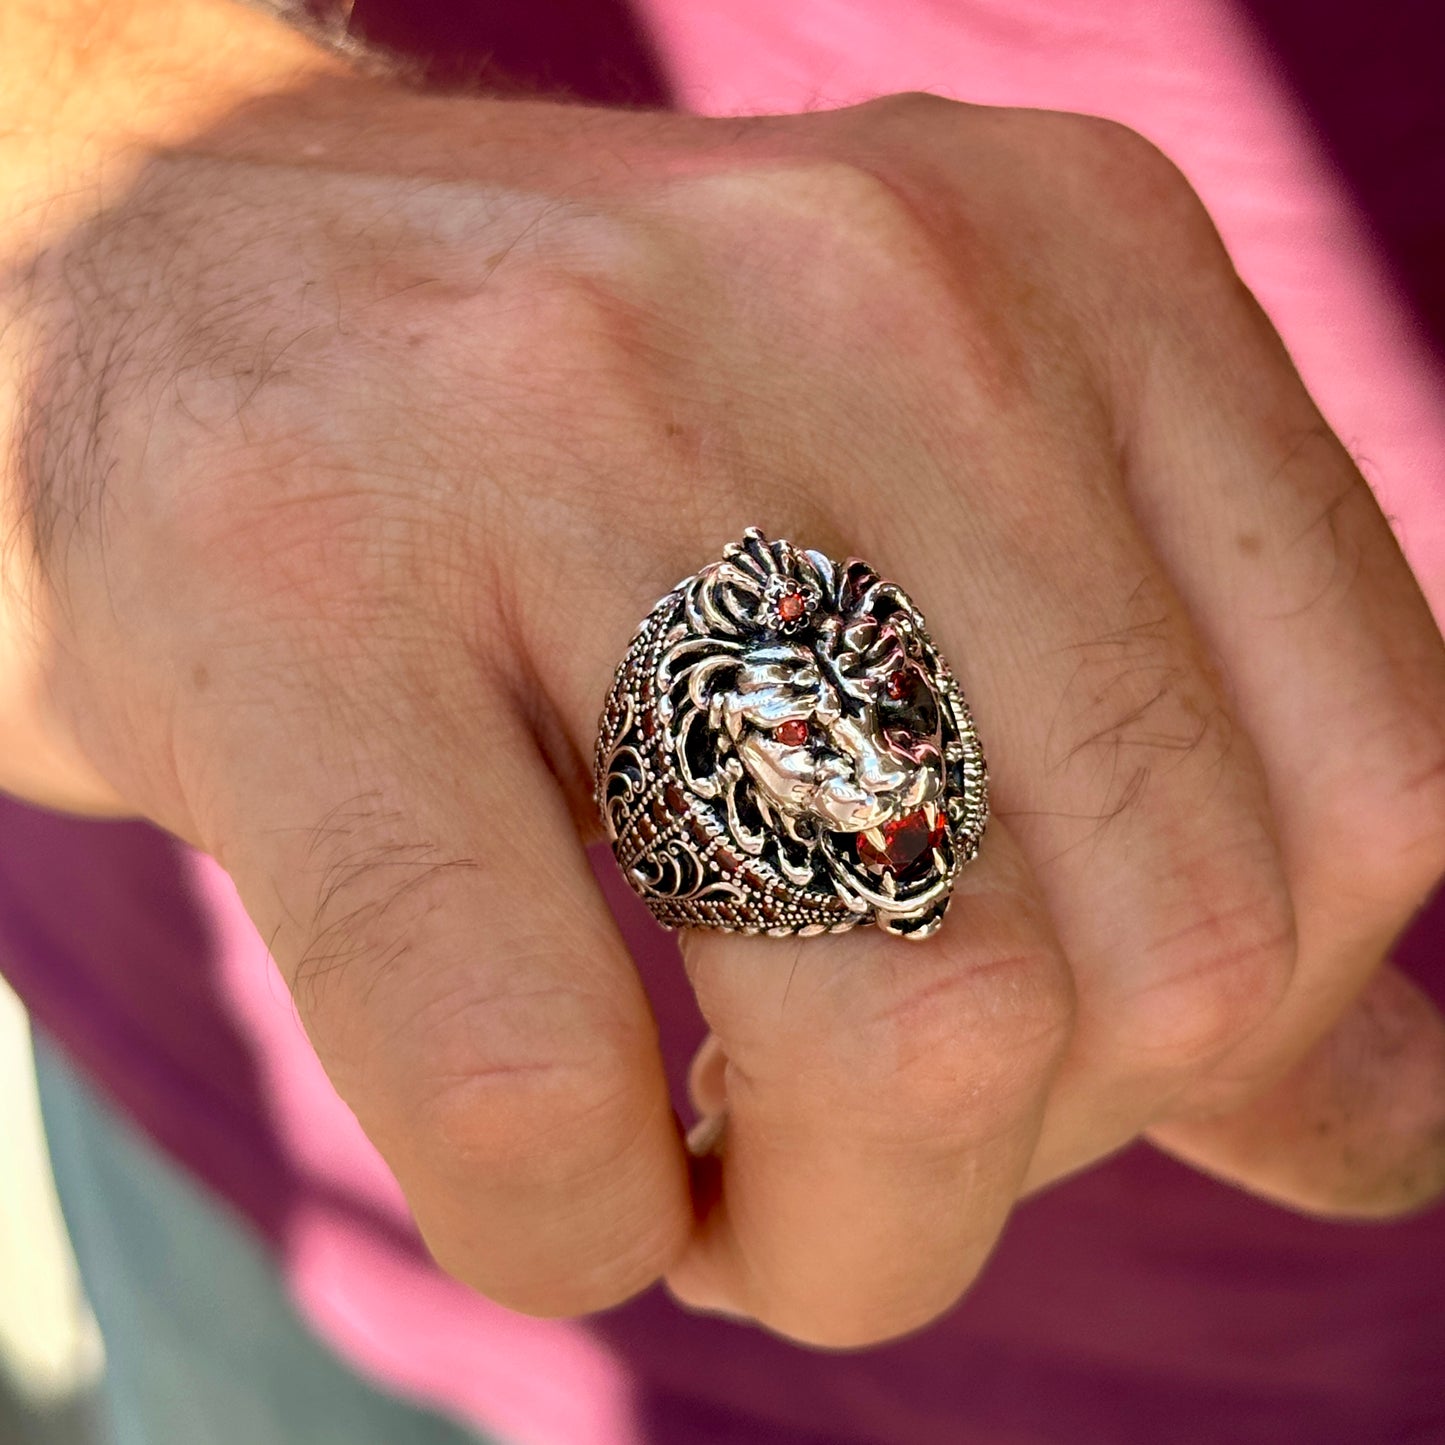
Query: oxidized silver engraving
<point>784,751</point>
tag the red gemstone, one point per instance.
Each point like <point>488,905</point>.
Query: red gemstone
<point>791,606</point>
<point>905,841</point>
<point>899,684</point>
<point>793,733</point>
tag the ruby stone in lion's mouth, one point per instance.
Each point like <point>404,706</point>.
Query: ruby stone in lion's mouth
<point>896,846</point>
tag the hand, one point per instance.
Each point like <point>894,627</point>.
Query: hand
<point>367,426</point>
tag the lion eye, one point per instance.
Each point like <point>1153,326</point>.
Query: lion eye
<point>906,703</point>
<point>793,733</point>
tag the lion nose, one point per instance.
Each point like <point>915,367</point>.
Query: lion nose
<point>882,773</point>
<point>877,769</point>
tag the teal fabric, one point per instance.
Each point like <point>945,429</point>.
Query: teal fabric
<point>203,1346</point>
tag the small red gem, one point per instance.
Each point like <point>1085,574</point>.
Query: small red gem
<point>905,841</point>
<point>899,684</point>
<point>793,733</point>
<point>791,606</point>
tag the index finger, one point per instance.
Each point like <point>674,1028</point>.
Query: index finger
<point>429,901</point>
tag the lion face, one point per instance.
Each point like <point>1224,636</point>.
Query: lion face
<point>854,743</point>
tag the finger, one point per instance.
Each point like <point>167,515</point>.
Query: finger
<point>883,1098</point>
<point>1334,664</point>
<point>1370,1097</point>
<point>426,896</point>
<point>1113,754</point>
<point>882,1102</point>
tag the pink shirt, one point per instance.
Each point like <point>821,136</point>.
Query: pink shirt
<point>1138,1302</point>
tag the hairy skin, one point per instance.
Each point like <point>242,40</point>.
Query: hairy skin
<point>349,432</point>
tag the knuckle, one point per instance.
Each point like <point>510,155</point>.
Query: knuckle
<point>1139,202</point>
<point>567,318</point>
<point>1121,149</point>
<point>591,344</point>
<point>1213,980</point>
<point>873,231</point>
<point>866,227</point>
<point>859,227</point>
<point>1132,168</point>
<point>296,525</point>
<point>538,1111</point>
<point>833,195</point>
<point>912,107</point>
<point>945,1050</point>
<point>540,1086</point>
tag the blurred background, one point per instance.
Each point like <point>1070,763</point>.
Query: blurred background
<point>51,1357</point>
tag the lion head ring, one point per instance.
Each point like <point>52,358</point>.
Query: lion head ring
<point>783,751</point>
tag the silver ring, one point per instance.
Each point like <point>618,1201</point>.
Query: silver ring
<point>783,751</point>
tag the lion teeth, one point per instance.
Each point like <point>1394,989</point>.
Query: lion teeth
<point>876,838</point>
